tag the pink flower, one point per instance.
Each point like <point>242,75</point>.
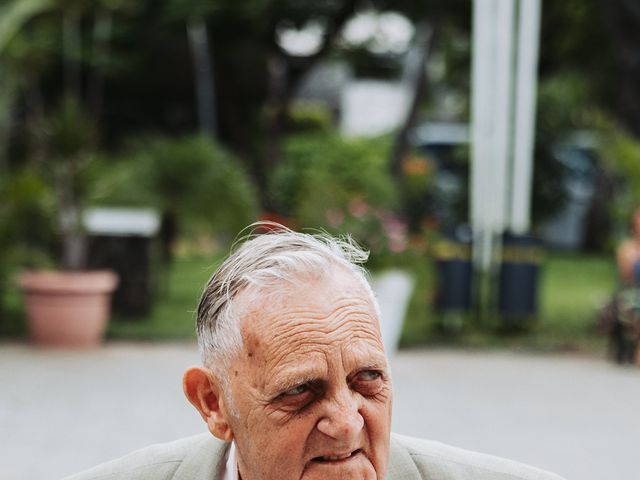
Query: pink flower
<point>396,232</point>
<point>334,217</point>
<point>358,208</point>
<point>397,244</point>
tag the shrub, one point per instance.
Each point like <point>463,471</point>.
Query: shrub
<point>191,180</point>
<point>620,152</point>
<point>26,226</point>
<point>343,186</point>
<point>307,117</point>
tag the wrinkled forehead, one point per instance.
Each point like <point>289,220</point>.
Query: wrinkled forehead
<point>317,302</point>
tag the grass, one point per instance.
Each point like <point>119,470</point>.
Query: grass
<point>173,316</point>
<point>571,288</point>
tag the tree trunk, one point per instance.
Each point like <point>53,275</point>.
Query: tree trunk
<point>72,49</point>
<point>623,22</point>
<point>8,93</point>
<point>414,75</point>
<point>203,75</point>
<point>168,235</point>
<point>279,104</point>
<point>102,28</point>
<point>74,239</point>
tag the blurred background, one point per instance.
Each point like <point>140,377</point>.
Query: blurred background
<point>486,153</point>
<point>143,136</point>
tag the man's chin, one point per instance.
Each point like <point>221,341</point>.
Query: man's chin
<point>357,466</point>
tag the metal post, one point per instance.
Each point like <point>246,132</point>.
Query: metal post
<point>503,86</point>
<point>503,114</point>
<point>525,112</point>
<point>482,127</point>
<point>492,81</point>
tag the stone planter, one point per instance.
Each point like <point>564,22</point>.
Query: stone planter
<point>393,290</point>
<point>67,309</point>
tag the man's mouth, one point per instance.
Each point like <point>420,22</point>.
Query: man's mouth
<point>337,457</point>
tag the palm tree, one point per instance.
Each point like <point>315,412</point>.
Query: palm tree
<point>13,16</point>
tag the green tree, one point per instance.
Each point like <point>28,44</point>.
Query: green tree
<point>194,183</point>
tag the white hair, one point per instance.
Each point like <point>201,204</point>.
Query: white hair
<point>265,262</point>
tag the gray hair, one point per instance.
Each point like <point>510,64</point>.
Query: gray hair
<point>264,262</point>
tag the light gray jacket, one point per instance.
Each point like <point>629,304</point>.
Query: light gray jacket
<point>202,457</point>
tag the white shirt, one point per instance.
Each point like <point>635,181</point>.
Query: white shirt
<point>231,466</point>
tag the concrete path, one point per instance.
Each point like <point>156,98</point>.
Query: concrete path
<point>61,412</point>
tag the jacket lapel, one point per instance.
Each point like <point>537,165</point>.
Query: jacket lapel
<point>204,461</point>
<point>401,466</point>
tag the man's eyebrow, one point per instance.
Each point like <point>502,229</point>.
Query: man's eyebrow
<point>371,366</point>
<point>376,361</point>
<point>291,380</point>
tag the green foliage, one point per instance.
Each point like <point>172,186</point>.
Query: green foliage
<point>48,198</point>
<point>324,171</point>
<point>64,146</point>
<point>623,150</point>
<point>68,134</point>
<point>563,108</point>
<point>342,186</point>
<point>25,209</point>
<point>620,153</point>
<point>417,185</point>
<point>190,177</point>
<point>252,10</point>
<point>13,15</point>
<point>577,37</point>
<point>563,104</point>
<point>309,118</point>
<point>173,314</point>
<point>25,225</point>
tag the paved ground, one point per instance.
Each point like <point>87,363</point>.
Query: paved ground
<point>64,411</point>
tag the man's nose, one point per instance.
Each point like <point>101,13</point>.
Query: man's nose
<point>342,419</point>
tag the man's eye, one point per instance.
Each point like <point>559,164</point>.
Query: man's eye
<point>369,375</point>
<point>368,382</point>
<point>296,390</point>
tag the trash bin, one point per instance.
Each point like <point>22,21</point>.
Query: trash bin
<point>519,277</point>
<point>454,271</point>
<point>124,240</point>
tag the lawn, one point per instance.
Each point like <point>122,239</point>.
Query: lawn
<point>571,288</point>
<point>173,317</point>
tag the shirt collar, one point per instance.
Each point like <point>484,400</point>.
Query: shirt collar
<point>231,466</point>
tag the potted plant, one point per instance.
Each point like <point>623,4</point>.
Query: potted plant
<point>67,307</point>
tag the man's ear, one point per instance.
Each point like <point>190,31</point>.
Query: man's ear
<point>205,393</point>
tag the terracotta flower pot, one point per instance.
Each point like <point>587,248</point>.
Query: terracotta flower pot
<point>67,308</point>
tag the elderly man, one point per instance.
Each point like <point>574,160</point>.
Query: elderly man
<point>295,383</point>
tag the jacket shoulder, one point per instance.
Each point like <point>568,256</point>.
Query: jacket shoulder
<point>438,461</point>
<point>157,462</point>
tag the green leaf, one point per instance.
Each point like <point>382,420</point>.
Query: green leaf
<point>17,13</point>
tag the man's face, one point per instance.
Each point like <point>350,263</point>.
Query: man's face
<point>311,389</point>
